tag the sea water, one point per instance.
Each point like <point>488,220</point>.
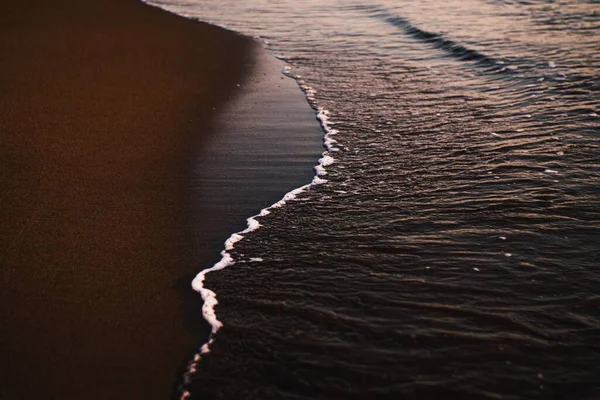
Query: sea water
<point>448,244</point>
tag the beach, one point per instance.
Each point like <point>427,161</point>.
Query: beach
<point>107,109</point>
<point>409,211</point>
<point>452,251</point>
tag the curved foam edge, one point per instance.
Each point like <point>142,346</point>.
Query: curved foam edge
<point>208,296</point>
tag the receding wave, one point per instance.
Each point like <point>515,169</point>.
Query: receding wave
<point>440,42</point>
<point>453,251</point>
<point>253,223</point>
<point>436,40</point>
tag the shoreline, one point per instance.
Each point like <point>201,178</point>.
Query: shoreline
<point>111,112</point>
<point>103,104</point>
<point>270,161</point>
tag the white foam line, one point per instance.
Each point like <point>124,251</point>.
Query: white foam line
<point>208,296</point>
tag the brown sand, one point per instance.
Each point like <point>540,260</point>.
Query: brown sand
<point>101,102</point>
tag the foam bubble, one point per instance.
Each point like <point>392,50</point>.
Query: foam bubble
<point>318,181</point>
<point>253,224</point>
<point>329,143</point>
<point>326,161</point>
<point>208,296</point>
<point>233,239</point>
<point>320,170</point>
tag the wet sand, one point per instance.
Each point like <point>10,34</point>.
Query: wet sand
<point>103,105</point>
<point>133,143</point>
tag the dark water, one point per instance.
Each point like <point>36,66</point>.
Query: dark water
<point>453,252</point>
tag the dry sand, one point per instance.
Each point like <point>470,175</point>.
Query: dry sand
<point>101,104</point>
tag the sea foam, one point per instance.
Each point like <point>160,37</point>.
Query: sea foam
<point>208,296</point>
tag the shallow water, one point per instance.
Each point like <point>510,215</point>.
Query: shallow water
<point>453,251</point>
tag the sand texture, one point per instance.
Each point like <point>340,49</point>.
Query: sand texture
<point>101,106</point>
